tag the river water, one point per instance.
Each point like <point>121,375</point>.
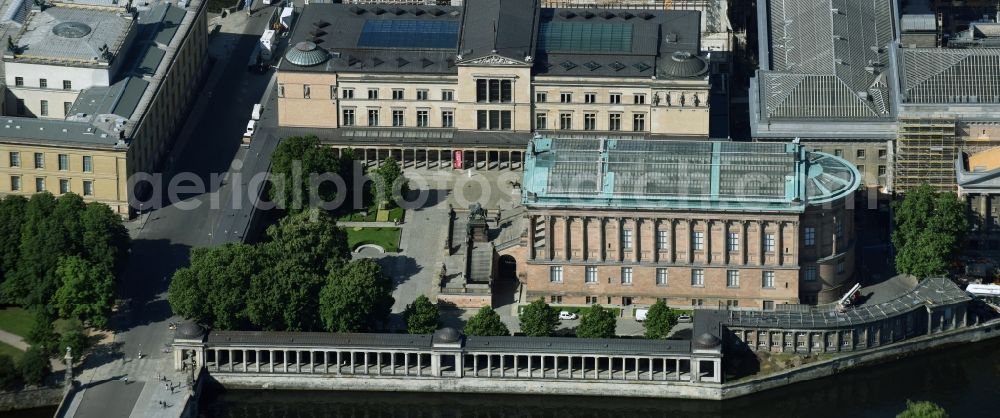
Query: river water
<point>965,381</point>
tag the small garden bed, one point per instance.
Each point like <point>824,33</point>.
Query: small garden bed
<point>372,215</point>
<point>579,310</point>
<point>387,238</point>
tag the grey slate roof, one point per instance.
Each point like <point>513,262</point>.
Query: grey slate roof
<point>949,75</point>
<point>825,59</point>
<point>515,22</point>
<point>78,34</point>
<point>576,345</point>
<point>319,339</point>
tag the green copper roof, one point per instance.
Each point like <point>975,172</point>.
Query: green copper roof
<point>626,173</point>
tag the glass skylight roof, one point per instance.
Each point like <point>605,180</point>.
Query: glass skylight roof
<point>421,34</point>
<point>589,37</point>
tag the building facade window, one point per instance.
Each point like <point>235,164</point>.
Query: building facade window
<point>348,117</point>
<point>15,183</point>
<point>769,243</point>
<point>590,274</point>
<point>698,278</point>
<point>639,122</point>
<point>860,154</point>
<point>281,90</point>
<point>767,279</point>
<point>881,170</point>
<point>734,241</point>
<point>810,236</point>
<point>39,160</point>
<point>422,118</point>
<point>639,98</point>
<point>627,239</point>
<point>63,162</point>
<point>615,98</point>
<point>88,188</point>
<point>732,303</point>
<point>421,94</point>
<point>662,240</point>
<point>697,302</point>
<point>372,94</point>
<point>615,122</point>
<point>809,274</point>
<point>768,305</point>
<point>698,240</point>
<point>447,95</point>
<point>626,275</point>
<point>43,83</point>
<point>494,91</point>
<point>732,278</point>
<point>493,120</point>
<point>372,117</point>
<point>565,97</point>
<point>18,81</point>
<point>661,276</point>
<point>556,274</point>
<point>39,184</point>
<point>541,97</point>
<point>15,159</point>
<point>347,93</point>
<point>591,300</point>
<point>448,119</point>
<point>590,97</point>
<point>541,121</point>
<point>589,121</point>
<point>397,94</point>
<point>882,153</point>
<point>66,107</point>
<point>63,186</point>
<point>397,118</point>
<point>838,152</point>
<point>44,108</point>
<point>306,91</point>
<point>565,121</point>
<point>555,299</point>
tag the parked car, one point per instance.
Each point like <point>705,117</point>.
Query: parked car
<point>567,315</point>
<point>250,128</point>
<point>683,318</point>
<point>640,314</point>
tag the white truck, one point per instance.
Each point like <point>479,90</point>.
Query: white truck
<point>286,18</point>
<point>266,46</point>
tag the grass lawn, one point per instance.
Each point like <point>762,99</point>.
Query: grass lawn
<point>387,238</point>
<point>16,321</point>
<point>371,215</point>
<point>11,351</point>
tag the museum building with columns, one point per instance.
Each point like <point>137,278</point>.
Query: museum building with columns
<point>693,223</point>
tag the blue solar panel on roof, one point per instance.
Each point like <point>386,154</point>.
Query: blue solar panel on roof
<point>409,34</point>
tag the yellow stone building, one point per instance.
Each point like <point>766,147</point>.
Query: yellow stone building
<point>95,94</point>
<point>423,83</point>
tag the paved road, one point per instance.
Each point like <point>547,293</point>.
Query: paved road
<point>163,238</point>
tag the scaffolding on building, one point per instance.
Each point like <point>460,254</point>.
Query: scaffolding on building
<point>926,149</point>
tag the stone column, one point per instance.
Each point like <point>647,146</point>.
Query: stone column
<point>656,241</point>
<point>761,237</point>
<point>690,229</point>
<point>636,240</point>
<point>779,238</point>
<point>744,243</point>
<point>246,362</point>
<point>584,245</point>
<point>604,239</point>
<point>673,241</point>
<point>531,237</point>
<point>725,241</point>
<point>567,248</point>
<point>708,241</point>
<point>621,249</point>
<point>489,365</point>
<point>550,238</point>
<point>475,365</point>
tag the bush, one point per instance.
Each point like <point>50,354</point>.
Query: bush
<point>76,340</point>
<point>35,366</point>
<point>922,409</point>
<point>9,375</point>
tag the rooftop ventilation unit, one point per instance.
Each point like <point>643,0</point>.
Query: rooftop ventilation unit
<point>416,11</point>
<point>378,10</point>
<point>587,15</point>
<point>376,61</point>
<point>567,14</point>
<point>321,24</point>
<point>424,62</point>
<point>351,60</point>
<point>607,15</point>
<point>626,15</point>
<point>646,15</point>
<point>397,11</point>
<point>454,13</point>
<point>436,12</point>
<point>670,37</point>
<point>400,62</point>
<point>356,10</point>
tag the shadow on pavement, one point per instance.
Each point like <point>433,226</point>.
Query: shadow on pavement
<point>400,268</point>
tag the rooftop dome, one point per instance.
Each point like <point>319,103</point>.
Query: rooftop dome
<point>71,29</point>
<point>447,335</point>
<point>189,331</point>
<point>306,54</point>
<point>707,341</point>
<point>683,64</point>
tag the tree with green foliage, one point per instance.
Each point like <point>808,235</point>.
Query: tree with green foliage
<point>105,240</point>
<point>283,297</point>
<point>311,239</point>
<point>9,373</point>
<point>214,289</point>
<point>922,409</point>
<point>597,322</point>
<point>386,179</point>
<point>35,366</point>
<point>42,334</point>
<point>660,320</point>
<point>86,291</point>
<point>422,317</point>
<point>293,162</point>
<point>74,337</point>
<point>930,227</point>
<point>36,256</point>
<point>11,219</point>
<point>486,323</point>
<point>539,319</point>
<point>357,297</point>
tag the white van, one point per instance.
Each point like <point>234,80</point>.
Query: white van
<point>640,314</point>
<point>256,112</point>
<point>250,128</point>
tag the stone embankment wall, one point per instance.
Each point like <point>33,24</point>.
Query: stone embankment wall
<point>30,398</point>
